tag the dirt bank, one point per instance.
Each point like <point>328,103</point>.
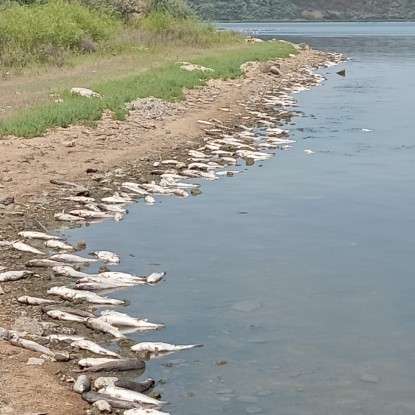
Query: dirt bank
<point>99,159</point>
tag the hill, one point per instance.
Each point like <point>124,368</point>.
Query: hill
<point>266,10</point>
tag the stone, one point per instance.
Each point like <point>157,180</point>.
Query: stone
<point>28,325</point>
<point>220,362</point>
<point>6,200</point>
<point>342,72</point>
<point>104,381</point>
<point>102,406</point>
<point>35,361</point>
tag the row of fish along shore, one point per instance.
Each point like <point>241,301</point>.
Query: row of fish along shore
<point>55,319</point>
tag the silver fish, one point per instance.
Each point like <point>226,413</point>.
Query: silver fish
<point>21,246</point>
<point>15,275</point>
<point>95,361</point>
<point>38,235</point>
<point>134,187</point>
<point>81,199</point>
<point>155,277</point>
<point>71,258</point>
<point>94,348</point>
<point>64,337</point>
<point>71,310</point>
<point>89,214</point>
<point>112,208</point>
<point>43,263</point>
<point>66,217</point>
<point>107,256</point>
<point>130,395</point>
<point>117,199</point>
<point>103,326</point>
<point>123,276</point>
<point>70,294</point>
<point>160,347</point>
<point>68,271</point>
<point>101,283</point>
<point>62,315</point>
<point>15,340</point>
<point>149,200</point>
<point>60,245</point>
<point>25,299</point>
<point>82,384</point>
<point>124,320</point>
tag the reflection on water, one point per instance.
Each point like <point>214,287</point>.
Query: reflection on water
<point>304,303</point>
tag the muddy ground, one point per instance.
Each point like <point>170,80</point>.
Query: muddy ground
<point>99,159</point>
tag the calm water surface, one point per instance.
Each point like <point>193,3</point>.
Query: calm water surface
<point>321,246</point>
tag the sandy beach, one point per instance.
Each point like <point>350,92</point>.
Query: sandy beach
<point>98,159</point>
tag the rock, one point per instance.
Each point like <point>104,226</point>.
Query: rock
<point>35,361</point>
<point>85,92</point>
<point>369,378</point>
<point>342,72</point>
<point>274,70</point>
<point>6,200</point>
<point>28,325</point>
<point>221,362</point>
<point>102,406</point>
<point>62,356</point>
<point>246,306</point>
<point>196,191</point>
<point>103,381</point>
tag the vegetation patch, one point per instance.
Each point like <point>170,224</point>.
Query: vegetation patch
<point>166,82</point>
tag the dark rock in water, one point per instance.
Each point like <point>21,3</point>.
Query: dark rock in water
<point>342,72</point>
<point>196,191</point>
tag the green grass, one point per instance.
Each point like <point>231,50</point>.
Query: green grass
<point>166,82</point>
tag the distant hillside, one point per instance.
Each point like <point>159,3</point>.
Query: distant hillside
<point>262,10</point>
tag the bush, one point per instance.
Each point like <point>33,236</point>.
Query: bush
<point>55,26</point>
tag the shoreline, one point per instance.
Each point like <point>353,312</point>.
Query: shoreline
<point>99,159</point>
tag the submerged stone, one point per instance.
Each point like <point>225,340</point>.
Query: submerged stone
<point>246,306</point>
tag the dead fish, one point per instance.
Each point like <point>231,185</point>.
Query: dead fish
<point>123,276</point>
<point>117,199</point>
<point>92,397</point>
<point>155,277</point>
<point>94,348</point>
<point>160,347</point>
<point>199,174</point>
<point>95,361</point>
<point>66,217</point>
<point>103,326</point>
<point>43,263</point>
<point>124,320</point>
<point>98,283</point>
<point>5,243</point>
<point>38,235</point>
<point>130,395</point>
<point>89,214</point>
<point>15,340</point>
<point>71,310</point>
<point>21,246</point>
<point>62,315</point>
<point>116,365</point>
<point>71,258</point>
<point>149,200</point>
<point>68,271</point>
<point>112,208</point>
<point>81,199</point>
<point>134,187</point>
<point>25,299</point>
<point>60,245</point>
<point>64,337</point>
<point>141,387</point>
<point>15,275</point>
<point>106,256</point>
<point>70,294</point>
<point>82,384</point>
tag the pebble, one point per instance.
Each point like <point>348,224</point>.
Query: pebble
<point>246,306</point>
<point>221,362</point>
<point>102,406</point>
<point>102,382</point>
<point>35,361</point>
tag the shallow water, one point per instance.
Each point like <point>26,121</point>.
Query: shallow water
<point>317,249</point>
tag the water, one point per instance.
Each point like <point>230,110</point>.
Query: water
<point>321,246</point>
